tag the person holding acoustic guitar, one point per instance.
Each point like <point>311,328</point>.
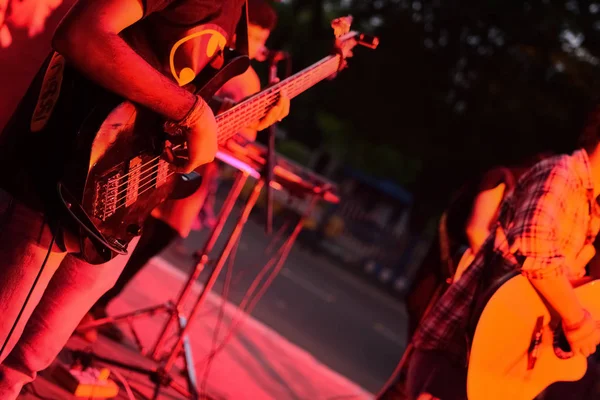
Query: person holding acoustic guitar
<point>545,230</point>
<point>145,51</point>
<point>173,219</point>
<point>462,230</point>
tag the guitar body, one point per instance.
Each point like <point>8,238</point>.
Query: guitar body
<point>499,362</point>
<point>107,164</point>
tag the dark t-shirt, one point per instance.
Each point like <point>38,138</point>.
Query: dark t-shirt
<point>458,212</point>
<point>432,272</point>
<point>199,23</point>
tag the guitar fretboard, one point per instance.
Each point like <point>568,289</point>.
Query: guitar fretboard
<point>256,107</point>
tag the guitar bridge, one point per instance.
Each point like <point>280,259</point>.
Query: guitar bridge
<point>534,345</point>
<point>106,198</point>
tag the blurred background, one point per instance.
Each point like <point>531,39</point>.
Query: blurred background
<point>455,88</point>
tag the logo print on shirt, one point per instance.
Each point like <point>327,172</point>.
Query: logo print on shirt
<point>49,93</point>
<point>216,42</point>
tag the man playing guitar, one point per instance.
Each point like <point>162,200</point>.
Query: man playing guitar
<point>123,46</point>
<point>174,218</point>
<point>545,229</point>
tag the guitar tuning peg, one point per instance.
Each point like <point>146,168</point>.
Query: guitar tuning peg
<point>341,25</point>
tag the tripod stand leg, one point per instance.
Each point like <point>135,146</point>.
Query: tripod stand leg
<point>226,208</point>
<point>233,238</point>
<point>165,307</point>
<point>189,361</point>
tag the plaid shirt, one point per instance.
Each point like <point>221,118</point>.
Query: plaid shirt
<point>549,218</point>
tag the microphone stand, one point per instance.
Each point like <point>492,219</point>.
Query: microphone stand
<point>274,58</point>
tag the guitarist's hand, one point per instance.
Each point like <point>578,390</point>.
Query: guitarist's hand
<point>278,112</point>
<point>584,336</point>
<point>201,142</point>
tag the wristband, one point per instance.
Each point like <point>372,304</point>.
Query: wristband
<point>574,327</point>
<point>178,128</point>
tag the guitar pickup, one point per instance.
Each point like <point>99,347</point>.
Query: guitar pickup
<point>133,180</point>
<point>106,196</point>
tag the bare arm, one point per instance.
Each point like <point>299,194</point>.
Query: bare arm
<point>546,265</point>
<point>88,37</point>
<point>558,290</point>
<point>483,212</point>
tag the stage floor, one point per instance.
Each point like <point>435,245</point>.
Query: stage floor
<point>257,363</point>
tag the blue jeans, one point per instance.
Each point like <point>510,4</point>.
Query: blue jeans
<point>66,290</point>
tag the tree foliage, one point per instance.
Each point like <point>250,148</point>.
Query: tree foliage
<point>455,87</point>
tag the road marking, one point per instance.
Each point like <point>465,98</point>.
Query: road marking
<point>308,285</point>
<point>388,333</point>
<point>358,283</point>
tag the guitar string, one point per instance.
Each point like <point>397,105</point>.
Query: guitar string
<point>148,177</point>
<point>297,83</point>
<point>143,191</point>
<point>143,165</point>
<point>149,187</point>
<point>269,98</point>
<point>150,172</point>
<point>294,80</point>
<point>146,185</point>
<point>225,135</point>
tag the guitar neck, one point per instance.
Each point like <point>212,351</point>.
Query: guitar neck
<point>256,107</point>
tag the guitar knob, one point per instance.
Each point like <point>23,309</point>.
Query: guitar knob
<point>134,230</point>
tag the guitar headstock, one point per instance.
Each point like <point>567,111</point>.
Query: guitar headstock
<point>346,40</point>
<point>341,25</point>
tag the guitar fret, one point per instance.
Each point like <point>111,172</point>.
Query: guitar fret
<point>256,107</point>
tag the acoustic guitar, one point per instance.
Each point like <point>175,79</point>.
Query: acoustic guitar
<point>519,349</point>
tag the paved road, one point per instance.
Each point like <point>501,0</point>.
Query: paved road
<point>348,325</point>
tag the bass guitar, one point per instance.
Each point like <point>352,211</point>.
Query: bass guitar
<point>110,168</point>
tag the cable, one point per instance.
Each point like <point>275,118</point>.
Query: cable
<point>241,307</point>
<point>404,359</point>
<point>37,278</point>
<point>218,324</point>
<point>269,248</point>
<point>248,302</point>
<point>395,373</point>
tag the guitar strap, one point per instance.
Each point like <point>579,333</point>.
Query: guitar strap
<point>241,31</point>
